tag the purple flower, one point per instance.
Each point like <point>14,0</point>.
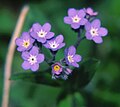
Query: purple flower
<point>71,57</point>
<point>25,42</point>
<point>55,43</point>
<point>41,33</point>
<point>56,68</point>
<point>32,59</point>
<point>75,18</point>
<point>90,11</point>
<point>94,31</point>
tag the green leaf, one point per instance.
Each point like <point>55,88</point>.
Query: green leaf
<point>88,70</point>
<point>37,77</point>
<point>79,78</point>
<point>72,100</point>
<point>66,102</point>
<point>82,76</point>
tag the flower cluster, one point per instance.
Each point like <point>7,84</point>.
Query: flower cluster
<point>83,17</point>
<point>30,43</point>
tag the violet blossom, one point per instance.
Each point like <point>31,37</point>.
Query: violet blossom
<point>94,31</point>
<point>55,43</point>
<point>41,33</point>
<point>75,18</point>
<point>56,68</point>
<point>32,59</point>
<point>71,57</point>
<point>90,11</point>
<point>25,42</point>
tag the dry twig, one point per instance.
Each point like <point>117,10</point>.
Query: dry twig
<point>10,54</point>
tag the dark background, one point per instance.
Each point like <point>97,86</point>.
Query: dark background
<point>102,91</point>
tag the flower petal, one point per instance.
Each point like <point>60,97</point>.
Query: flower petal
<point>95,13</point>
<point>96,23</point>
<point>97,39</point>
<point>71,50</point>
<point>34,35</point>
<point>32,40</point>
<point>61,45</point>
<point>87,26</point>
<point>25,55</point>
<point>81,13</point>
<point>46,27</point>
<point>49,35</point>
<point>89,10</point>
<point>77,58</point>
<point>59,39</point>
<point>19,42</point>
<point>88,36</point>
<point>75,25</point>
<point>40,58</point>
<point>75,64</point>
<point>36,27</point>
<point>83,21</point>
<point>20,49</point>
<point>103,31</point>
<point>72,12</point>
<point>34,67</point>
<point>34,50</point>
<point>67,20</point>
<point>25,35</point>
<point>46,45</point>
<point>26,65</point>
<point>68,71</point>
<point>42,40</point>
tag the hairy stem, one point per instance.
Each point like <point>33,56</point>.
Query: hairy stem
<point>79,39</point>
<point>53,57</point>
<point>50,62</point>
<point>10,54</point>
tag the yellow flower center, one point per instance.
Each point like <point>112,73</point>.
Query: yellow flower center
<point>70,58</point>
<point>56,68</point>
<point>26,43</point>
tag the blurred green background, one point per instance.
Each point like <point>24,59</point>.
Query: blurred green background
<point>102,91</point>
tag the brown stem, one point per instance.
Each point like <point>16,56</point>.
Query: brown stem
<point>10,54</point>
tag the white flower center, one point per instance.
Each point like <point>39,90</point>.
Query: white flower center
<point>76,19</point>
<point>70,58</point>
<point>41,33</point>
<point>53,45</point>
<point>26,43</point>
<point>32,59</point>
<point>94,32</point>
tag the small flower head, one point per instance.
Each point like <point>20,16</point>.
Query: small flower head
<point>94,31</point>
<point>75,18</point>
<point>55,43</point>
<point>32,59</point>
<point>68,71</point>
<point>41,33</point>
<point>25,42</point>
<point>56,68</point>
<point>71,57</point>
<point>90,11</point>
